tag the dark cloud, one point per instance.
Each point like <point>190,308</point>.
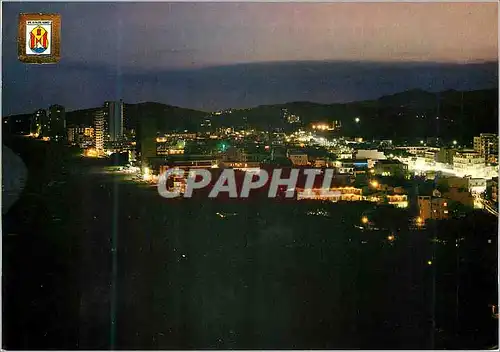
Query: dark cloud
<point>241,85</point>
<point>217,55</point>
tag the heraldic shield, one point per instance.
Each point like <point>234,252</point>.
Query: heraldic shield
<point>39,38</point>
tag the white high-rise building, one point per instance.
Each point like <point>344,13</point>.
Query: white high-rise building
<point>99,131</point>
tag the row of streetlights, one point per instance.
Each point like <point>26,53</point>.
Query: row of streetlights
<point>454,142</point>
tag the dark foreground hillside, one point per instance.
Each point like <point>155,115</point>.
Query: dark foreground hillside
<point>94,262</point>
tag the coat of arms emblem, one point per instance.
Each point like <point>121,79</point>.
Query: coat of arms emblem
<point>39,38</point>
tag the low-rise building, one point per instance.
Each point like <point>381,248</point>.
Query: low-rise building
<point>318,162</point>
<point>398,200</point>
<point>298,158</point>
<point>494,190</point>
<point>469,162</point>
<point>454,182</point>
<point>430,156</point>
<point>417,150</point>
<point>390,168</point>
<point>373,154</point>
<point>477,185</point>
<point>461,196</point>
<point>445,155</point>
<point>335,194</point>
<point>435,208</point>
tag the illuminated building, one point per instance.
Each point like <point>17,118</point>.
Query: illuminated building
<point>36,124</point>
<point>81,135</point>
<point>417,150</point>
<point>435,208</point>
<point>249,166</point>
<point>326,126</point>
<point>398,200</point>
<point>99,131</point>
<point>72,131</point>
<point>205,163</point>
<point>486,145</point>
<point>319,162</point>
<point>298,158</point>
<point>477,185</point>
<point>468,163</point>
<point>41,118</point>
<point>445,155</point>
<point>88,132</point>
<point>370,154</point>
<point>335,194</point>
<point>345,170</point>
<point>390,168</point>
<point>185,135</point>
<point>57,122</point>
<point>430,156</point>
<point>349,166</point>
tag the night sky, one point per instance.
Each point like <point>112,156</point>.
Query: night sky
<point>218,55</point>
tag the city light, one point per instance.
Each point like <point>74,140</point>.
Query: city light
<point>364,220</point>
<point>419,221</point>
<point>90,153</point>
<point>374,184</point>
<point>356,119</point>
<point>454,142</point>
<point>146,174</point>
<point>391,238</point>
<point>322,127</point>
<point>429,262</point>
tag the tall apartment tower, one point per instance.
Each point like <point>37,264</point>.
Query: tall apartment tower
<point>486,144</point>
<point>37,122</point>
<point>146,140</point>
<point>99,131</point>
<point>115,120</point>
<point>57,120</point>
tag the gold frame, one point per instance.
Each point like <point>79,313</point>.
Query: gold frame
<point>55,55</point>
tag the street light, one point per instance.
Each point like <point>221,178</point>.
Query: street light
<point>419,221</point>
<point>356,119</point>
<point>455,142</point>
